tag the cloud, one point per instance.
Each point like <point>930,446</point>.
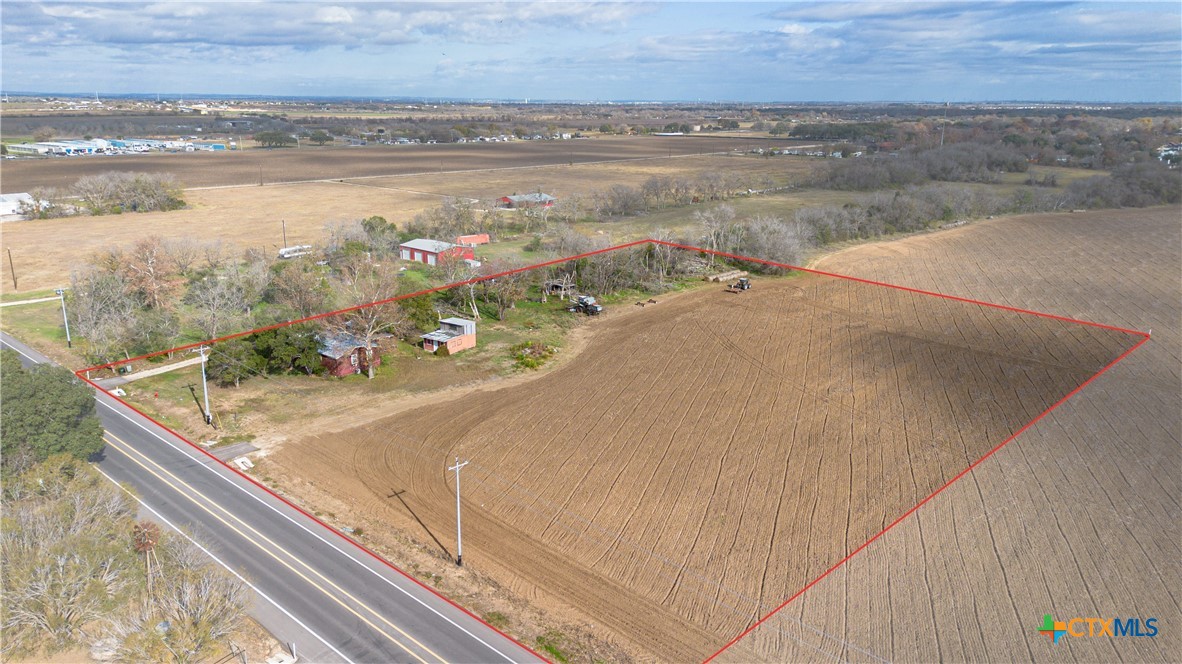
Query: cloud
<point>833,50</point>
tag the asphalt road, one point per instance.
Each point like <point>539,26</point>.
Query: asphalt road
<point>312,588</point>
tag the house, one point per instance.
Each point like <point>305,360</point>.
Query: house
<point>344,354</point>
<point>455,334</point>
<point>473,240</point>
<point>430,251</point>
<point>528,200</point>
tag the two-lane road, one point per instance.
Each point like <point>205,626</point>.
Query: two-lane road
<point>312,587</point>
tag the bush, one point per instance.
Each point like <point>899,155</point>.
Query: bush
<point>531,354</point>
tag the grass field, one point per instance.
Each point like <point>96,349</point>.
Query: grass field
<point>45,251</point>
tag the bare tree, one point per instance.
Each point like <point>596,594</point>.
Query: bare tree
<point>64,564</point>
<point>193,607</point>
<point>100,309</point>
<point>151,272</point>
<point>218,304</point>
<point>361,284</point>
<point>184,252</point>
<point>716,223</point>
<point>506,290</point>
<point>301,288</point>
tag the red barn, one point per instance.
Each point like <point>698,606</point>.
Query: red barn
<point>344,355</point>
<point>431,251</point>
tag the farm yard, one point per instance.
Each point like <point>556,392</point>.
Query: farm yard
<point>703,458</point>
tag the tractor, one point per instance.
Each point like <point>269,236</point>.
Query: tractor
<point>741,285</point>
<point>585,304</point>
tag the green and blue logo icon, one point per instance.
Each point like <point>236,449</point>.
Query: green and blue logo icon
<point>1092,627</point>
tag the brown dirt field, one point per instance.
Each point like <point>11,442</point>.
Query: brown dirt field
<point>242,167</point>
<point>703,459</point>
<point>1078,517</point>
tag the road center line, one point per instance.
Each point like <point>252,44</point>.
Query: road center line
<point>219,561</point>
<point>120,448</point>
<point>203,461</point>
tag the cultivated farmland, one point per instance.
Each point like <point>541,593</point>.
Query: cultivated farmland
<point>705,457</point>
<point>1078,516</point>
<point>248,167</point>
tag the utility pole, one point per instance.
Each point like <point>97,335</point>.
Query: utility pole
<point>205,387</point>
<point>284,222</point>
<point>12,266</point>
<point>459,530</point>
<point>61,293</point>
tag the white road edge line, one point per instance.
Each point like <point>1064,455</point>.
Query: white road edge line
<point>11,347</point>
<point>223,564</point>
<point>203,462</point>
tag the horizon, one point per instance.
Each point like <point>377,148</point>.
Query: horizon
<point>232,96</point>
<point>566,52</point>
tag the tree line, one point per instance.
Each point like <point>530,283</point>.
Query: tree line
<point>79,570</point>
<point>106,193</point>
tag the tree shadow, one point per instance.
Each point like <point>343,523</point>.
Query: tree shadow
<point>398,495</point>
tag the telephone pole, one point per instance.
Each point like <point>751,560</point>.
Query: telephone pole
<point>459,530</point>
<point>61,293</point>
<point>205,385</point>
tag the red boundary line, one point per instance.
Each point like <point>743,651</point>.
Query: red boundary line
<point>556,261</point>
<point>297,508</point>
<point>1144,338</point>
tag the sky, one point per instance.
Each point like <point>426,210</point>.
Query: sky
<point>681,51</point>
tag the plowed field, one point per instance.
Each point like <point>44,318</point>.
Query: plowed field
<point>1080,516</point>
<point>704,458</point>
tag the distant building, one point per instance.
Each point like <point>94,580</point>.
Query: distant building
<point>10,204</point>
<point>29,149</point>
<point>344,354</point>
<point>528,201</point>
<point>455,334</point>
<point>473,240</point>
<point>431,251</point>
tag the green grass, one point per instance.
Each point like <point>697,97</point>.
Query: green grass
<point>496,619</point>
<point>26,295</point>
<point>36,324</point>
<point>552,643</point>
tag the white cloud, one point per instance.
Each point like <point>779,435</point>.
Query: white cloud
<point>333,15</point>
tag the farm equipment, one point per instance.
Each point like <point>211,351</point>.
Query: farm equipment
<point>739,286</point>
<point>585,304</point>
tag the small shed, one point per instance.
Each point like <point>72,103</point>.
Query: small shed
<point>473,240</point>
<point>344,354</point>
<point>528,200</point>
<point>430,251</point>
<point>456,334</point>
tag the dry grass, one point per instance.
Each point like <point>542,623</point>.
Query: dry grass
<point>44,252</point>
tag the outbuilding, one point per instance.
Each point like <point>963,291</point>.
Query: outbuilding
<point>454,334</point>
<point>344,354</point>
<point>528,200</point>
<point>11,204</point>
<point>431,251</point>
<point>473,240</point>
